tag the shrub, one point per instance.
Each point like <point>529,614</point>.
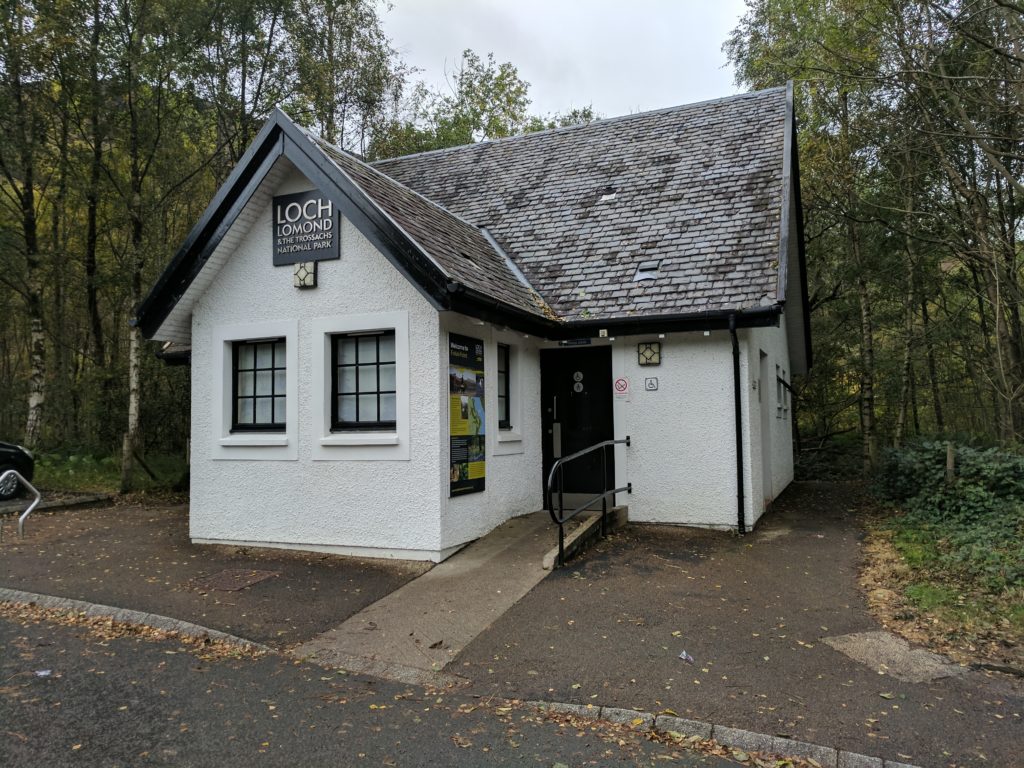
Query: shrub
<point>973,527</point>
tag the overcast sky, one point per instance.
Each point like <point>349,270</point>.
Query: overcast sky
<point>620,56</point>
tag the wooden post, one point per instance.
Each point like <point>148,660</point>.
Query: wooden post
<point>950,463</point>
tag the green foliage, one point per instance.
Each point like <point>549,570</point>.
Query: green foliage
<point>85,472</point>
<point>911,129</point>
<point>971,529</point>
<point>486,100</point>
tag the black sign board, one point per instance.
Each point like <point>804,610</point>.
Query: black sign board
<point>305,228</point>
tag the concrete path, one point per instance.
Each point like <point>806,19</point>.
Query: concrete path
<point>414,632</point>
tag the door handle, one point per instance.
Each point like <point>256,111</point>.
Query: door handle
<point>554,408</point>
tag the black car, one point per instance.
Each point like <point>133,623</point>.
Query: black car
<point>14,457</point>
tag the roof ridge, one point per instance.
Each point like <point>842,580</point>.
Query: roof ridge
<point>581,126</point>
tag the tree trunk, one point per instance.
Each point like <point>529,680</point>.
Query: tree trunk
<point>867,378</point>
<point>908,346</point>
<point>933,376</point>
<point>25,136</point>
<point>96,345</point>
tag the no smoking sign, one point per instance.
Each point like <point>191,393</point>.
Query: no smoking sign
<point>621,387</point>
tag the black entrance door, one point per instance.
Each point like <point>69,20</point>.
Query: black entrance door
<point>576,393</point>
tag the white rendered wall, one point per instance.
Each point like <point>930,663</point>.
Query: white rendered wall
<point>368,500</point>
<point>514,459</point>
<point>774,343</point>
<point>682,462</point>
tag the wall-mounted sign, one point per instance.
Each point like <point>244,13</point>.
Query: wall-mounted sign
<point>621,388</point>
<point>467,462</point>
<point>305,228</point>
<point>575,342</point>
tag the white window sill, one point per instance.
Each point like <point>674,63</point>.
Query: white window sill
<point>508,436</point>
<point>253,440</point>
<point>361,438</point>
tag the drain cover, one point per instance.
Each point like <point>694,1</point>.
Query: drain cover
<point>233,579</point>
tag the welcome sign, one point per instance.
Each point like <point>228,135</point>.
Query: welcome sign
<point>305,228</point>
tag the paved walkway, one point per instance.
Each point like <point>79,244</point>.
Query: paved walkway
<point>778,630</point>
<point>414,632</point>
<point>777,636</point>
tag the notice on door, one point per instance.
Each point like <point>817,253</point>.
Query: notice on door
<point>466,414</point>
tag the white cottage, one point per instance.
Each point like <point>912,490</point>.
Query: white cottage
<point>388,358</point>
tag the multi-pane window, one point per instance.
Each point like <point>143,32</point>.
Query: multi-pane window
<point>504,388</point>
<point>260,385</point>
<point>364,390</point>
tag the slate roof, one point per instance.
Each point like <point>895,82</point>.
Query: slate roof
<point>461,250</point>
<point>698,187</point>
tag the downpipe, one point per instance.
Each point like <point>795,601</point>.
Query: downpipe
<point>741,517</point>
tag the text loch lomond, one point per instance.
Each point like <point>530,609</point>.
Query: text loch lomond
<point>305,228</point>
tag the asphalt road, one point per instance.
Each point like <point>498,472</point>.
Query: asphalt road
<point>68,697</point>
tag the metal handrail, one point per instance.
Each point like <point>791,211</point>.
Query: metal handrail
<point>24,515</point>
<point>561,518</point>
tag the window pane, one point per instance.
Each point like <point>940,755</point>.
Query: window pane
<point>502,385</point>
<point>347,408</point>
<point>245,356</point>
<point>367,377</point>
<point>367,349</point>
<point>263,410</point>
<point>387,407</point>
<point>263,382</point>
<point>280,405</point>
<point>245,410</point>
<point>387,378</point>
<point>502,358</point>
<point>387,348</point>
<point>245,383</point>
<point>280,382</point>
<point>503,410</point>
<point>346,350</point>
<point>346,379</point>
<point>264,355</point>
<point>279,358</point>
<point>367,407</point>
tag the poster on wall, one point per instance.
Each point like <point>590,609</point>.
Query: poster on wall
<point>466,414</point>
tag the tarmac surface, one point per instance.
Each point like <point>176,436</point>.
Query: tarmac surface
<point>775,630</point>
<point>70,700</point>
<point>755,614</point>
<point>140,557</point>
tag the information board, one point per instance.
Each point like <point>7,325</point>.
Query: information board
<point>466,414</point>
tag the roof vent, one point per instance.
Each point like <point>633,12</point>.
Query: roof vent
<point>647,270</point>
<point>608,193</point>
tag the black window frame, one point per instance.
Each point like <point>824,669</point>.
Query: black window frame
<point>505,374</point>
<point>337,425</point>
<point>236,347</point>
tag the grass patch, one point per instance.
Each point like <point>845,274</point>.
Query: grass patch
<point>102,474</point>
<point>931,597</point>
